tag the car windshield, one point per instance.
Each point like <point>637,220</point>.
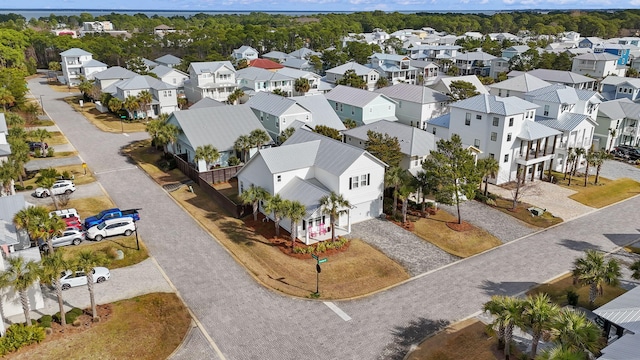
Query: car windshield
<point>101,226</point>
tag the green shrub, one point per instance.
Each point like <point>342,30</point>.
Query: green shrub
<point>70,316</point>
<point>45,321</point>
<point>572,298</point>
<point>29,187</point>
<point>50,152</point>
<point>233,161</point>
<point>492,196</point>
<point>18,187</point>
<point>480,196</point>
<point>66,175</point>
<point>321,247</point>
<point>19,335</point>
<point>37,153</point>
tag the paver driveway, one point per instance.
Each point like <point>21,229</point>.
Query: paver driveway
<point>248,321</point>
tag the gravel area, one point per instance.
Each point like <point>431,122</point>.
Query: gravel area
<point>613,170</point>
<point>504,227</point>
<point>415,254</point>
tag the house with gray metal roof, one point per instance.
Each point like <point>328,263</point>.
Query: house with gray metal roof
<point>598,65</point>
<point>168,60</point>
<point>618,87</point>
<point>415,144</point>
<point>316,84</point>
<point>214,79</point>
<point>504,129</point>
<point>206,103</point>
<point>276,113</point>
<point>560,77</point>
<point>309,166</point>
<point>78,63</point>
<point>361,106</point>
<point>621,326</point>
<point>277,56</point>
<point>416,104</point>
<point>171,76</point>
<point>517,86</point>
<point>443,84</point>
<point>368,75</point>
<point>618,124</point>
<point>254,79</point>
<point>321,111</point>
<point>244,52</point>
<point>217,126</point>
<point>295,63</point>
<point>396,68</point>
<point>112,75</point>
<point>474,63</point>
<point>304,53</point>
<point>164,96</point>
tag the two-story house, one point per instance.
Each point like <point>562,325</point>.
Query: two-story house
<point>598,65</point>
<point>618,124</point>
<point>560,77</point>
<point>428,71</point>
<point>623,52</point>
<point>416,104</point>
<point>244,52</point>
<point>168,60</point>
<point>617,87</point>
<point>517,86</point>
<point>219,126</point>
<point>415,144</point>
<point>367,74</point>
<point>276,113</point>
<point>474,63</point>
<point>499,66</point>
<point>512,51</point>
<point>309,166</point>
<point>112,75</point>
<point>503,129</point>
<point>171,76</point>
<point>590,42</point>
<point>164,97</point>
<point>396,68</point>
<point>253,80</point>
<point>361,106</point>
<point>77,63</point>
<point>315,80</point>
<point>216,79</point>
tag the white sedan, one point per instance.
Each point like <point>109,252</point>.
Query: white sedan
<point>70,279</point>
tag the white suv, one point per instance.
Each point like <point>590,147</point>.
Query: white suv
<point>112,227</point>
<point>59,187</point>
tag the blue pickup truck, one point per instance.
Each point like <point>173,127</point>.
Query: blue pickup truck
<point>110,214</point>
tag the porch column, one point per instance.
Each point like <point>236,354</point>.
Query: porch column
<point>553,151</point>
<point>546,144</point>
<point>541,170</point>
<point>528,150</point>
<point>537,148</point>
<point>533,171</point>
<point>306,231</point>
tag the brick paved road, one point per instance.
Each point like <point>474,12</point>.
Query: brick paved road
<point>248,321</point>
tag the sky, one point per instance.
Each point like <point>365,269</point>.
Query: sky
<point>321,5</point>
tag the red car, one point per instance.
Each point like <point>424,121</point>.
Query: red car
<point>73,222</point>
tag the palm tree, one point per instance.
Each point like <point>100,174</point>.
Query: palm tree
<point>167,134</point>
<point>295,211</point>
<point>19,156</point>
<point>6,98</point>
<point>235,96</point>
<point>53,266</point>
<point>489,168</point>
<point>394,177</point>
<point>22,275</point>
<point>8,172</point>
<point>495,307</point>
<point>115,105</point>
<point>32,111</point>
<point>208,153</point>
<point>243,145</point>
<point>579,153</point>
<point>635,267</point>
<point>569,161</point>
<point>591,158</point>
<point>382,82</point>
<point>48,228</point>
<point>144,99</point>
<point>258,138</point>
<point>40,135</point>
<point>253,195</point>
<point>512,317</point>
<point>560,353</point>
<point>85,85</point>
<point>601,157</point>
<point>285,134</point>
<point>349,123</point>
<point>275,205</point>
<point>403,194</point>
<point>131,104</point>
<point>47,178</point>
<point>592,270</point>
<point>613,133</point>
<point>336,205</point>
<point>301,85</point>
<point>182,102</point>
<point>575,333</point>
<point>38,224</point>
<point>86,261</point>
<point>5,283</point>
<point>538,314</point>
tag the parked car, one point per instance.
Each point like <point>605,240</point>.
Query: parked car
<point>626,152</point>
<point>68,237</point>
<point>73,223</point>
<point>36,145</point>
<point>79,278</point>
<point>59,187</point>
<point>114,213</point>
<point>65,213</point>
<point>112,227</point>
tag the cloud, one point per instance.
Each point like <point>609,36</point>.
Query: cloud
<point>634,2</point>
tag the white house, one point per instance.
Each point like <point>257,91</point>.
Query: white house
<point>244,52</point>
<point>396,68</point>
<point>112,75</point>
<point>309,166</point>
<point>216,79</point>
<point>218,126</point>
<point>560,77</point>
<point>517,86</point>
<point>277,113</point>
<point>415,144</point>
<point>164,97</point>
<point>315,85</point>
<point>416,104</point>
<point>598,65</point>
<point>618,124</point>
<point>168,60</point>
<point>171,76</point>
<point>253,80</point>
<point>76,63</point>
<point>361,106</point>
<point>367,74</point>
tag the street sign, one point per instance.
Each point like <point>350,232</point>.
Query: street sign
<point>322,261</point>
<point>84,165</point>
<point>314,256</point>
<point>123,116</point>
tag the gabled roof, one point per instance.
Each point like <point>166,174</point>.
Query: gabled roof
<point>532,130</point>
<point>244,48</point>
<point>441,121</point>
<point>115,72</point>
<point>296,73</point>
<point>93,63</point>
<point>616,80</point>
<point>475,56</point>
<point>10,205</point>
<point>524,83</point>
<point>352,96</point>
<point>413,141</point>
<point>264,64</point>
<point>143,82</point>
<point>260,74</point>
<point>162,70</point>
<point>292,157</point>
<point>271,103</point>
<point>603,56</point>
<point>295,63</point>
<point>210,66</point>
<point>490,104</point>
<point>565,122</point>
<point>303,52</point>
<point>75,52</point>
<point>446,82</point>
<point>562,94</point>
<point>518,48</point>
<point>321,111</point>
<point>3,123</point>
<point>391,57</point>
<point>307,192</point>
<point>620,108</point>
<point>276,55</point>
<point>148,63</point>
<point>169,59</point>
<point>206,102</point>
<point>555,76</point>
<point>358,68</point>
<point>623,310</point>
<point>218,126</point>
<point>413,93</point>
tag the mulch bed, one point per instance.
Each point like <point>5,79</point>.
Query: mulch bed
<point>267,230</point>
<point>464,226</point>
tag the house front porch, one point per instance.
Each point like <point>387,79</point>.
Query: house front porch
<point>315,235</point>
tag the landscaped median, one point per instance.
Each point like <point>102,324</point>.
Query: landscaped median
<point>605,192</point>
<point>103,121</point>
<point>359,270</point>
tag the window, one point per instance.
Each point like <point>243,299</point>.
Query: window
<point>510,121</point>
<point>496,121</point>
<point>400,104</point>
<point>478,117</point>
<point>434,131</point>
<point>353,111</point>
<point>354,183</point>
<point>279,178</point>
<point>340,107</point>
<point>364,180</point>
<point>359,181</point>
<point>509,137</point>
<point>546,110</point>
<point>494,136</point>
<point>467,120</point>
<point>499,92</point>
<point>506,157</point>
<point>492,156</point>
<point>241,187</point>
<point>476,143</point>
<point>336,106</point>
<point>508,93</point>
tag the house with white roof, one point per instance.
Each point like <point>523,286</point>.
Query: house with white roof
<point>253,80</point>
<point>215,79</point>
<point>277,56</point>
<point>503,36</point>
<point>171,76</point>
<point>304,53</point>
<point>618,124</point>
<point>516,50</point>
<point>321,112</point>
<point>218,126</point>
<point>244,52</point>
<point>569,36</point>
<point>276,113</point>
<point>503,129</point>
<point>315,80</point>
<point>416,104</point>
<point>443,85</point>
<point>78,63</point>
<point>517,86</point>
<point>168,60</point>
<point>361,106</point>
<point>498,66</point>
<point>299,64</point>
<point>415,144</point>
<point>369,75</point>
<point>112,75</point>
<point>560,77</point>
<point>571,111</point>
<point>309,166</point>
<point>396,68</point>
<point>621,326</point>
<point>164,97</point>
<point>598,65</point>
<point>617,87</point>
<point>474,63</point>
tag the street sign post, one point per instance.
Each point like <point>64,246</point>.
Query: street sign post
<point>322,261</point>
<point>318,270</point>
<point>84,167</point>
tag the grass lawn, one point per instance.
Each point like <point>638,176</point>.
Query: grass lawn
<point>149,327</point>
<point>89,206</point>
<point>464,340</point>
<point>434,229</point>
<point>358,271</point>
<point>76,170</point>
<point>104,121</point>
<point>109,246</point>
<point>557,291</point>
<point>56,139</point>
<point>606,192</point>
<point>521,213</point>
